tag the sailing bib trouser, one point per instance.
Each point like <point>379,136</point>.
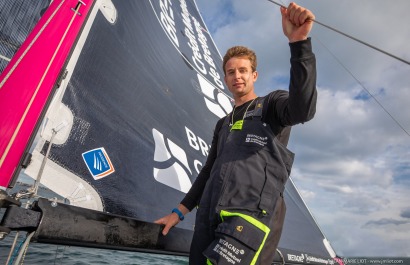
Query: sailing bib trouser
<point>241,213</point>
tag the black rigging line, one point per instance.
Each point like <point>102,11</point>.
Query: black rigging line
<point>361,84</point>
<point>351,37</point>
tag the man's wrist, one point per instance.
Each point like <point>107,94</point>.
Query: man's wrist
<point>297,39</point>
<point>179,213</point>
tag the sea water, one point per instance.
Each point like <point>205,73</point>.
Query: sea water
<point>39,254</point>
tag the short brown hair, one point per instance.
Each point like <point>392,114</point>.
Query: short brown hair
<point>240,51</point>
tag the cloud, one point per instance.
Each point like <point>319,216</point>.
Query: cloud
<point>405,213</point>
<point>307,194</point>
<point>336,188</point>
<point>386,221</point>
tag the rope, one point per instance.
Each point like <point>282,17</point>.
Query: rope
<point>13,249</point>
<point>351,37</point>
<point>281,255</point>
<point>22,249</point>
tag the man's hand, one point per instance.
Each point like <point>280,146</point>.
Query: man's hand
<point>297,22</point>
<point>171,220</point>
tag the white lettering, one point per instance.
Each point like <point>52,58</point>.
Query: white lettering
<point>196,142</point>
<point>192,139</point>
<point>251,138</point>
<point>198,63</point>
<point>185,16</point>
<point>198,166</point>
<point>167,20</point>
<point>300,258</point>
<point>223,250</point>
<point>204,147</point>
<point>217,77</point>
<point>229,246</point>
<point>319,260</point>
<point>203,40</point>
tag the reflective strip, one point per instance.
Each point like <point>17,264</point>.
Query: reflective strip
<point>256,223</point>
<point>208,262</point>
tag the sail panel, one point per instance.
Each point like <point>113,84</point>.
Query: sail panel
<point>132,91</point>
<point>300,230</point>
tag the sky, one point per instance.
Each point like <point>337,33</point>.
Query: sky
<point>352,160</point>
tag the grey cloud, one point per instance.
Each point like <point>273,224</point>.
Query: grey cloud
<point>405,213</point>
<point>385,221</point>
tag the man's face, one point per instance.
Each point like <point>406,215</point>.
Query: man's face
<point>239,77</point>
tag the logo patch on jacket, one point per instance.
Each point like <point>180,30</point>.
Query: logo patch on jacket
<point>260,140</point>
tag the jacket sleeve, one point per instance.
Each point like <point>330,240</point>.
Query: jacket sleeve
<point>194,194</point>
<point>299,105</point>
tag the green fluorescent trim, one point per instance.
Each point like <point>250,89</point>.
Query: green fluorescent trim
<point>256,223</point>
<point>208,262</point>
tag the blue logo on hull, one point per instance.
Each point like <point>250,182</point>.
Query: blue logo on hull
<point>98,163</point>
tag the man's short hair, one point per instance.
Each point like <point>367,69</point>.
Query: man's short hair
<point>240,52</point>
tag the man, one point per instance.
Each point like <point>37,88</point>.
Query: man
<point>239,191</point>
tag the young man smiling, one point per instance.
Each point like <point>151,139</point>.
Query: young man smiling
<point>239,191</point>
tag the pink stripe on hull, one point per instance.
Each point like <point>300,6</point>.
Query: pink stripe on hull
<point>25,89</point>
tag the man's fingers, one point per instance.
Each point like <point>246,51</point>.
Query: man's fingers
<point>298,15</point>
<point>306,16</point>
<point>292,13</point>
<point>166,230</point>
<point>160,221</point>
<point>301,18</point>
<point>163,221</point>
<point>169,221</point>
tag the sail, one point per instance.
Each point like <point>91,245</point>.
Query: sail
<point>302,240</point>
<point>132,120</point>
<point>136,117</point>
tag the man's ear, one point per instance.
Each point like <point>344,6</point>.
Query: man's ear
<point>255,75</point>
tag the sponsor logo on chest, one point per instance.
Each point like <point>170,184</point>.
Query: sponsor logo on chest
<point>253,138</point>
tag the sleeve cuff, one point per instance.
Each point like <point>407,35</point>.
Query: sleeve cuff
<point>188,203</point>
<point>301,49</point>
